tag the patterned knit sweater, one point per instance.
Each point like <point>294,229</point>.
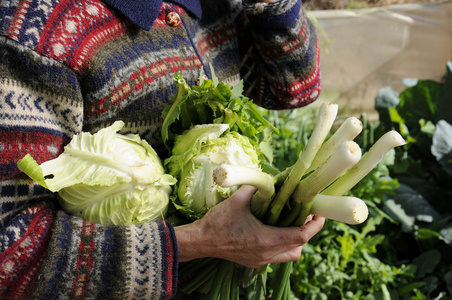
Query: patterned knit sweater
<point>68,66</point>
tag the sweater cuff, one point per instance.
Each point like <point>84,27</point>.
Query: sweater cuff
<point>108,262</point>
<point>154,260</point>
<point>279,14</point>
<point>174,257</point>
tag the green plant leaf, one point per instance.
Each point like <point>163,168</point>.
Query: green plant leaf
<point>446,234</point>
<point>419,102</point>
<point>427,262</point>
<point>425,233</point>
<point>414,205</point>
<point>445,104</point>
<point>396,211</point>
<point>386,99</point>
<point>448,279</point>
<point>442,140</point>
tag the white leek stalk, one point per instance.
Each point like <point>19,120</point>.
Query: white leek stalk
<point>345,156</point>
<point>348,130</point>
<point>325,120</point>
<point>227,175</point>
<point>349,210</point>
<point>375,154</point>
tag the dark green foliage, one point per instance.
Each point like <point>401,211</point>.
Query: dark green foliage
<point>404,249</point>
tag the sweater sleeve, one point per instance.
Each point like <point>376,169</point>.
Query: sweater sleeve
<point>281,66</point>
<point>45,253</point>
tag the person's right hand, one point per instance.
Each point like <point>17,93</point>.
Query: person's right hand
<point>230,231</point>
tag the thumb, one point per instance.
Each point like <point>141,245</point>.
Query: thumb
<point>242,197</point>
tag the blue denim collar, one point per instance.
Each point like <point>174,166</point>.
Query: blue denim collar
<point>144,12</point>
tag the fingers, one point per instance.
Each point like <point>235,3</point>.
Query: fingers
<point>311,227</point>
<point>300,235</point>
<point>290,255</point>
<point>292,239</point>
<point>238,202</point>
<point>308,218</point>
<point>245,191</point>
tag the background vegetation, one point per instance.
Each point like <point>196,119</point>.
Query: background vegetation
<point>404,249</point>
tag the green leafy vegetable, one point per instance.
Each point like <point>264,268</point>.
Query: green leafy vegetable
<point>106,178</point>
<point>196,155</point>
<point>421,206</point>
<point>207,127</point>
<point>215,103</point>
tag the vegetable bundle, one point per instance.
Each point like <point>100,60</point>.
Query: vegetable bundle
<point>208,126</point>
<point>220,141</point>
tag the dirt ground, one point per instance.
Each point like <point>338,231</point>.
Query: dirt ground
<point>353,4</point>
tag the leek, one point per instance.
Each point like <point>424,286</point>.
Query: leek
<point>349,210</point>
<point>346,155</point>
<point>326,117</point>
<point>227,175</point>
<point>375,154</point>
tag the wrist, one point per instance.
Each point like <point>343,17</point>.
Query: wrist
<point>190,242</point>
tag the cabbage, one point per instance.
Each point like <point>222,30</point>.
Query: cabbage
<point>195,156</point>
<point>205,126</point>
<point>106,177</point>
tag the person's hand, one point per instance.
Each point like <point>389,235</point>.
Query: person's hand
<point>230,231</point>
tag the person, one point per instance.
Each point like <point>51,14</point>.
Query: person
<point>78,65</point>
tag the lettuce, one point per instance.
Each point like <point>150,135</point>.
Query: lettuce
<point>106,177</point>
<point>205,126</point>
<point>214,102</point>
<point>195,156</point>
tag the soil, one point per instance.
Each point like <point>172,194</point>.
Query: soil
<point>353,4</point>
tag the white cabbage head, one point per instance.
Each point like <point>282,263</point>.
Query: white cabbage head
<point>195,156</point>
<point>107,178</point>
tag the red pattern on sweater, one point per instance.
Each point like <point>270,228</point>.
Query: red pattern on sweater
<point>16,21</point>
<point>61,37</point>
<point>146,75</point>
<point>169,260</point>
<point>85,260</point>
<point>20,263</point>
<point>302,90</point>
<point>214,40</point>
<point>41,146</point>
